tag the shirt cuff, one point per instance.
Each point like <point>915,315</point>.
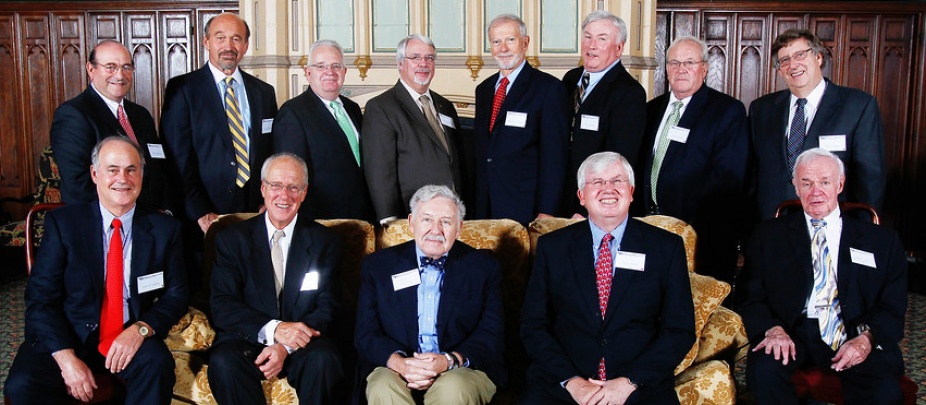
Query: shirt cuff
<point>563,383</point>
<point>265,335</point>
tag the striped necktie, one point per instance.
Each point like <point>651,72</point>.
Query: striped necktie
<point>797,133</point>
<point>825,294</point>
<point>236,126</point>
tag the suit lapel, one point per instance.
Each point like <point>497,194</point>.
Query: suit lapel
<point>102,115</point>
<point>801,266</point>
<point>262,266</point>
<point>693,111</point>
<point>632,241</point>
<point>826,111</point>
<point>142,242</point>
<point>298,263</point>
<point>408,297</point>
<point>583,266</point>
<point>603,87</point>
<point>454,275</point>
<point>844,265</point>
<point>93,244</point>
<point>328,124</point>
<point>413,109</point>
<point>779,125</point>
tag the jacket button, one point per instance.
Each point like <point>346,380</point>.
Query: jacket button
<point>604,342</point>
<point>232,162</point>
<point>489,160</point>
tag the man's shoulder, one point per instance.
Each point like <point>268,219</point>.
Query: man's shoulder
<point>572,76</point>
<point>301,101</point>
<point>761,103</point>
<point>846,94</point>
<point>191,78</point>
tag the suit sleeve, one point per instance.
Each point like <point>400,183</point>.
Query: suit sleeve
<point>865,174</point>
<point>751,297</point>
<point>371,341</point>
<point>231,313</point>
<point>289,133</point>
<point>378,146</point>
<point>326,302</point>
<point>172,304</point>
<point>554,149</point>
<point>45,293</point>
<point>486,344</point>
<point>886,318</point>
<point>72,140</point>
<point>176,129</point>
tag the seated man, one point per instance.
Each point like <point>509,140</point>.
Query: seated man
<point>273,296</point>
<point>99,298</point>
<point>822,289</point>
<point>429,317</point>
<point>608,312</point>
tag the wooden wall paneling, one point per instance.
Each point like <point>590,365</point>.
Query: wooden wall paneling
<point>140,30</point>
<point>718,34</point>
<point>68,37</point>
<point>39,85</point>
<point>859,52</point>
<point>780,23</point>
<point>752,56</point>
<point>13,162</point>
<point>662,42</point>
<point>829,28</point>
<point>203,16</point>
<point>176,35</point>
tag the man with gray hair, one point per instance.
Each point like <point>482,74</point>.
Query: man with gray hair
<point>411,135</point>
<point>429,316</point>
<point>323,127</point>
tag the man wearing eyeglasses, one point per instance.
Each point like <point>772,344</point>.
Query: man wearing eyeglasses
<point>273,296</point>
<point>693,163</point>
<point>411,135</point>
<point>323,127</point>
<point>102,110</point>
<point>814,112</point>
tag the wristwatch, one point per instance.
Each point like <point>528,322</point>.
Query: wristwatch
<point>143,330</point>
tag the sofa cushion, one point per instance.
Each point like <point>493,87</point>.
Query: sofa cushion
<point>192,333</point>
<point>722,335</point>
<point>707,293</point>
<point>680,228</point>
<point>707,383</point>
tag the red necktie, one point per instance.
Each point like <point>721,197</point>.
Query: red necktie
<point>124,121</point>
<point>111,315</point>
<point>498,100</point>
<point>603,276</point>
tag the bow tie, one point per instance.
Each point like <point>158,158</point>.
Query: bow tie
<point>438,263</point>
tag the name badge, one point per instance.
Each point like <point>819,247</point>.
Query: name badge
<point>447,121</point>
<point>156,150</point>
<point>310,281</point>
<point>406,279</point>
<point>862,257</point>
<point>266,125</point>
<point>630,261</point>
<point>589,122</point>
<point>516,119</point>
<point>678,134</point>
<point>150,282</point>
<point>833,143</point>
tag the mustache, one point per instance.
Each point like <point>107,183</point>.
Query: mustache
<point>231,52</point>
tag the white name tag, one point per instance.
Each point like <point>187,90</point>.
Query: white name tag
<point>589,122</point>
<point>516,119</point>
<point>678,134</point>
<point>630,261</point>
<point>862,257</point>
<point>447,121</point>
<point>310,281</point>
<point>833,143</point>
<point>156,150</point>
<point>266,125</point>
<point>150,282</point>
<point>406,279</point>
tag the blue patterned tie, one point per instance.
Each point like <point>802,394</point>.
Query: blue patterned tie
<point>797,134</point>
<point>825,295</point>
<point>438,263</point>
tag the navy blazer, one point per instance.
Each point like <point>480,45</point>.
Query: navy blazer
<point>470,317</point>
<point>842,111</point>
<point>337,186</point>
<point>195,131</point>
<point>521,169</point>
<point>79,124</point>
<point>243,293</point>
<point>65,289</point>
<point>649,322</point>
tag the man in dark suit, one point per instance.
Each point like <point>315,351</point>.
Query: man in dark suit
<point>273,297</point>
<point>522,132</point>
<point>819,288</point>
<point>814,112</point>
<point>83,121</point>
<point>410,135</point>
<point>693,162</point>
<point>99,299</point>
<point>323,127</point>
<point>429,319</point>
<point>610,313</point>
<point>609,105</point>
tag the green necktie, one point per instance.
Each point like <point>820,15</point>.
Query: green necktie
<point>663,146</point>
<point>344,123</point>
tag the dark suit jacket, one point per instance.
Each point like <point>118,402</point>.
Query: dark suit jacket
<point>79,124</point>
<point>243,294</point>
<point>649,323</point>
<point>402,153</point>
<point>842,111</point>
<point>520,171</point>
<point>337,186</point>
<point>195,130</point>
<point>778,276</point>
<point>619,102</point>
<point>470,318</point>
<point>66,286</point>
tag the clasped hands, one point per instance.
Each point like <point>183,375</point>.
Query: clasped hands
<point>420,370</point>
<point>294,335</point>
<point>597,392</point>
<point>852,353</point>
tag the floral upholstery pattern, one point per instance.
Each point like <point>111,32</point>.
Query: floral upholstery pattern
<point>48,190</point>
<point>680,228</point>
<point>707,293</point>
<point>723,336</point>
<point>707,383</point>
<point>192,333</point>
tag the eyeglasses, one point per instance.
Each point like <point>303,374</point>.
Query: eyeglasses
<point>798,56</point>
<point>688,64</point>
<point>615,182</point>
<point>278,187</point>
<point>321,67</point>
<point>111,68</point>
<point>419,58</point>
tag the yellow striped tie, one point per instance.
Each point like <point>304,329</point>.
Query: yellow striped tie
<point>236,126</point>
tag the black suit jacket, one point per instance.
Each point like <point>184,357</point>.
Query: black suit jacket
<point>402,153</point>
<point>79,124</point>
<point>842,111</point>
<point>195,130</point>
<point>243,294</point>
<point>521,169</point>
<point>66,286</point>
<point>649,322</point>
<point>470,318</point>
<point>337,186</point>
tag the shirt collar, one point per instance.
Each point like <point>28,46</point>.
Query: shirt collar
<point>127,219</point>
<point>813,99</point>
<point>617,233</point>
<point>511,76</point>
<point>834,219</point>
<point>415,95</point>
<point>594,77</point>
<point>287,230</point>
<point>419,254</point>
<point>218,76</point>
<point>113,105</point>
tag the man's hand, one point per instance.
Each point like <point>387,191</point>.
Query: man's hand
<point>206,220</point>
<point>419,371</point>
<point>577,216</point>
<point>294,334</point>
<point>123,349</point>
<point>853,352</point>
<point>581,390</point>
<point>778,342</point>
<point>612,392</point>
<point>270,360</point>
<point>542,215</point>
<point>76,374</point>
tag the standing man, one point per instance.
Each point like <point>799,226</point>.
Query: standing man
<point>435,331</point>
<point>694,158</point>
<point>609,105</point>
<point>610,312</point>
<point>323,127</point>
<point>99,112</point>
<point>107,286</point>
<point>272,296</point>
<point>522,132</point>
<point>823,289</point>
<point>411,136</point>
<point>814,112</point>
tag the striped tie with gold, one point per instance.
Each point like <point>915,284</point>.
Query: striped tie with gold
<point>236,126</point>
